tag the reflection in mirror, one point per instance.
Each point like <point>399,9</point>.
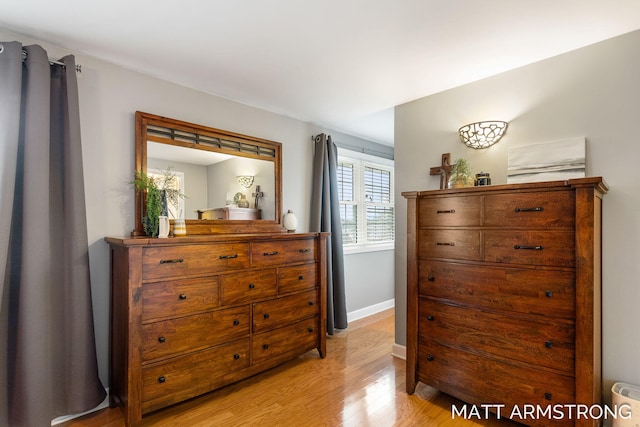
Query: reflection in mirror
<point>209,165</point>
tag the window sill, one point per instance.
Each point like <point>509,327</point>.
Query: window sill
<point>358,249</point>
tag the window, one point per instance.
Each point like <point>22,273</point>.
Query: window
<point>365,190</point>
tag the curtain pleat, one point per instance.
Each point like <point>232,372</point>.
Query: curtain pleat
<point>50,353</point>
<point>325,216</point>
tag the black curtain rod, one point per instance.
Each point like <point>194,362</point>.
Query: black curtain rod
<point>51,61</point>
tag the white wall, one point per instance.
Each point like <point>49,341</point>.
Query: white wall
<point>109,97</point>
<point>593,92</point>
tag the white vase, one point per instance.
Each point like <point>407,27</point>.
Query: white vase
<point>163,222</point>
<point>290,221</point>
<point>179,227</point>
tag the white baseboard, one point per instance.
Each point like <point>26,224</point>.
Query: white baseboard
<point>65,418</point>
<point>399,351</point>
<point>372,309</point>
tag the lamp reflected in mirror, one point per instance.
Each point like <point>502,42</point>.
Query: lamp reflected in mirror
<point>245,180</point>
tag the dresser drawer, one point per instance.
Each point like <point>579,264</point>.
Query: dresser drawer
<point>552,248</point>
<point>278,252</point>
<point>175,298</point>
<point>450,244</point>
<point>282,311</point>
<point>449,211</point>
<point>187,334</point>
<point>533,340</point>
<point>192,260</point>
<point>543,209</point>
<point>179,378</point>
<point>544,292</point>
<point>297,278</point>
<point>290,339</point>
<point>479,380</point>
<point>248,286</point>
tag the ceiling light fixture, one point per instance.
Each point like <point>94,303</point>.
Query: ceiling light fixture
<point>482,134</point>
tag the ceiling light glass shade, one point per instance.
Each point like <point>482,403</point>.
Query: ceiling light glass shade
<point>245,180</point>
<point>482,134</point>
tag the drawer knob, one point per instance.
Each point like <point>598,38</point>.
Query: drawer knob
<point>183,296</point>
<point>236,322</point>
<point>312,302</point>
<point>265,346</point>
<point>236,356</point>
<point>533,248</point>
<point>228,256</point>
<point>300,277</point>
<point>548,396</point>
<point>430,358</point>
<point>162,379</point>
<point>171,261</point>
<point>548,294</point>
<point>548,344</point>
<point>252,286</point>
<point>538,209</point>
<point>310,330</point>
<point>161,339</point>
<point>266,315</point>
<point>270,253</point>
<point>446,211</point>
<point>429,317</point>
<point>304,251</point>
<point>431,278</point>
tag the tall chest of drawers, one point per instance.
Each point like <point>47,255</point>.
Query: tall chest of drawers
<point>504,295</point>
<point>192,314</point>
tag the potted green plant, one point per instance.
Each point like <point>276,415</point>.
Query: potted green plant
<point>461,175</point>
<point>159,194</point>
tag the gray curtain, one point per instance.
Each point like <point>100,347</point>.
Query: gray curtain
<point>48,364</point>
<point>325,216</point>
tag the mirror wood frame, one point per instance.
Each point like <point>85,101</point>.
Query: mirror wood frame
<point>202,226</point>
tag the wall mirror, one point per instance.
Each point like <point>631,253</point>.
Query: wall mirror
<point>232,182</point>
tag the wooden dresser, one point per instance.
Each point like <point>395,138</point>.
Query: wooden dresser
<point>504,296</point>
<point>195,313</point>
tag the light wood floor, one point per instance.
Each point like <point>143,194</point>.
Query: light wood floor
<point>359,383</point>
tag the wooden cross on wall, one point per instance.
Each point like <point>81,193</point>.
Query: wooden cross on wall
<point>444,170</point>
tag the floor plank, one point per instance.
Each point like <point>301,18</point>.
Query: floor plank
<point>359,383</point>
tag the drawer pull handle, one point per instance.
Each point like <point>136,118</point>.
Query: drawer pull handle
<point>548,294</point>
<point>236,356</point>
<point>430,318</point>
<point>548,396</point>
<point>228,256</point>
<point>445,244</point>
<point>533,248</point>
<point>236,322</point>
<point>270,253</point>
<point>171,261</point>
<point>162,379</point>
<point>266,315</point>
<point>304,251</point>
<point>161,339</point>
<point>311,302</point>
<point>430,358</point>
<point>252,286</point>
<point>548,344</point>
<point>265,346</point>
<point>310,330</point>
<point>182,296</point>
<point>446,211</point>
<point>538,209</point>
<point>431,278</point>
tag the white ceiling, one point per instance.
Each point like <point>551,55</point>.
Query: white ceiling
<point>341,64</point>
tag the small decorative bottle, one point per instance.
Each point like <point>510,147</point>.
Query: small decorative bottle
<point>290,221</point>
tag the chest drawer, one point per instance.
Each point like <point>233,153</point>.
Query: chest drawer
<point>297,278</point>
<point>449,211</point>
<point>283,252</point>
<point>532,340</point>
<point>282,311</point>
<point>178,297</point>
<point>450,244</point>
<point>292,338</point>
<point>185,334</point>
<point>249,286</point>
<point>552,248</point>
<point>543,292</point>
<point>192,260</point>
<point>187,376</point>
<point>543,209</point>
